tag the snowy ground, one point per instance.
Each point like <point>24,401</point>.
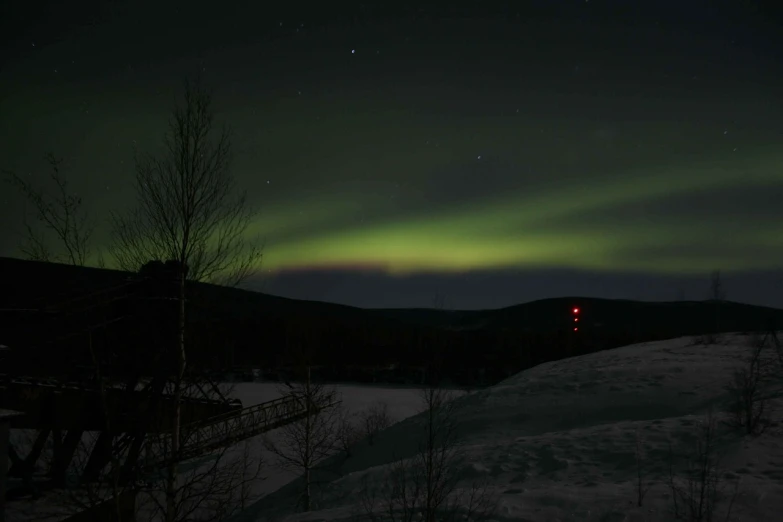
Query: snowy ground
<point>557,442</point>
<point>402,402</point>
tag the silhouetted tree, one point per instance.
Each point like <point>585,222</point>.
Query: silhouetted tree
<point>315,437</point>
<point>374,420</point>
<point>716,297</point>
<point>189,214</point>
<point>697,490</point>
<point>425,486</point>
<point>60,212</point>
<point>188,208</point>
<point>747,403</point>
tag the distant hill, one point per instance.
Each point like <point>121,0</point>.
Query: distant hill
<point>240,328</point>
<point>675,318</point>
<point>31,283</point>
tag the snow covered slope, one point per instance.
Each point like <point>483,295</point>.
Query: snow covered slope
<point>558,442</point>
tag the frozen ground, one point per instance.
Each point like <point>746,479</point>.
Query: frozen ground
<point>557,442</point>
<point>402,402</point>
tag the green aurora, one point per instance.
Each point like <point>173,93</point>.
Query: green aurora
<point>567,226</point>
<point>530,147</point>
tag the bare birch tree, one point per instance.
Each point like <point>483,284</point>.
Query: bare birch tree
<point>188,211</point>
<point>430,486</point>
<point>374,420</point>
<point>59,213</point>
<point>699,489</point>
<point>426,486</point>
<point>216,485</point>
<point>188,207</point>
<point>307,442</point>
<point>642,485</point>
<point>349,431</point>
<point>717,296</point>
<point>213,488</point>
<point>717,293</point>
<point>748,405</point>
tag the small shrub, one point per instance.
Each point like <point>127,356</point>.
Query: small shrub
<point>747,405</point>
<point>698,490</point>
<point>374,420</point>
<point>348,432</point>
<point>641,486</point>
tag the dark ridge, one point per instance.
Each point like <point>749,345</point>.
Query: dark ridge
<point>236,330</point>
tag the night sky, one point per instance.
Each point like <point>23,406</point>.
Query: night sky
<point>491,156</point>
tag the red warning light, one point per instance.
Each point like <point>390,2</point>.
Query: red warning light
<point>576,319</point>
<point>576,329</point>
<point>576,310</point>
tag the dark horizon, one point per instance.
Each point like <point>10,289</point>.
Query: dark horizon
<point>487,291</point>
<point>570,286</point>
<point>404,152</point>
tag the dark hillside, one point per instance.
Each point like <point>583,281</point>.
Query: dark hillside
<point>234,328</point>
<point>645,318</point>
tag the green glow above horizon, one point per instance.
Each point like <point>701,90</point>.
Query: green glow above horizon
<point>328,204</point>
<point>571,226</point>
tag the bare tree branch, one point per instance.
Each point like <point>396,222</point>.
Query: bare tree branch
<point>426,486</point>
<point>747,404</point>
<point>61,213</point>
<point>698,491</point>
<point>188,208</point>
<point>187,213</point>
<point>310,440</point>
<point>374,420</point>
<point>213,489</point>
<point>349,432</point>
<point>642,486</point>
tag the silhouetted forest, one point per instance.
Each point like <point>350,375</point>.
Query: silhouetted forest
<point>60,320</point>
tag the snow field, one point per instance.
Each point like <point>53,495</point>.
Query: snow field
<point>558,442</point>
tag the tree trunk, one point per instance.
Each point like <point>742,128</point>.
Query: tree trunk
<point>717,317</point>
<point>429,511</point>
<point>307,490</point>
<point>308,441</point>
<point>171,476</point>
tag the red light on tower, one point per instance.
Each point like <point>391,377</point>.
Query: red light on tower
<point>575,311</point>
